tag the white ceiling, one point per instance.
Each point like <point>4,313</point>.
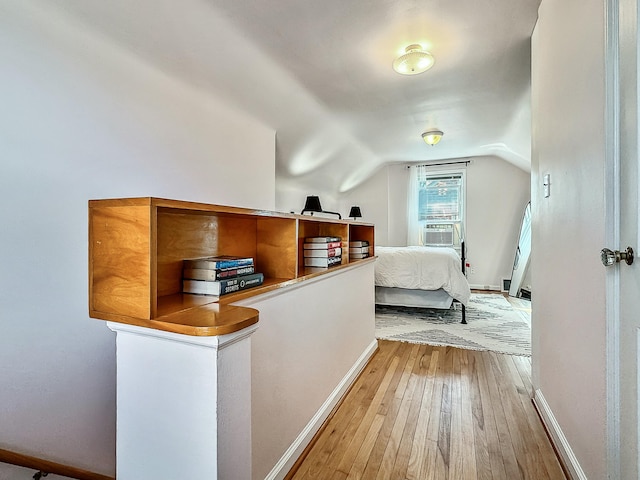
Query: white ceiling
<point>320,73</point>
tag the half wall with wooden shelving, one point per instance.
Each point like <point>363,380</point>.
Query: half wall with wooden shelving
<point>137,245</point>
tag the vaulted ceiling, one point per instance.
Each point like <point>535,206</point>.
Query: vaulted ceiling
<point>320,74</point>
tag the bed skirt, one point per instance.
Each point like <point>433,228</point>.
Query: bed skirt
<point>413,298</point>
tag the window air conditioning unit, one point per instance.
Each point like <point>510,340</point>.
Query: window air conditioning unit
<point>438,235</point>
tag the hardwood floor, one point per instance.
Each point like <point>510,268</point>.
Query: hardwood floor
<point>521,307</point>
<point>419,412</point>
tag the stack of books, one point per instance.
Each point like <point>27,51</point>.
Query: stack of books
<point>219,275</point>
<point>358,249</point>
<point>323,252</point>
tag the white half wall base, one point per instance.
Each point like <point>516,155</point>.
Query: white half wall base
<point>557,437</point>
<point>292,454</point>
<point>242,406</point>
<point>183,404</point>
<point>314,338</point>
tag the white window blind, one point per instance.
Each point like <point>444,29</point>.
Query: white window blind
<point>440,199</point>
<point>436,208</point>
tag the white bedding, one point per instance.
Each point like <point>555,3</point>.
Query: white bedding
<point>422,268</point>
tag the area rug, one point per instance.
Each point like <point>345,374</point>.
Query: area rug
<point>492,324</point>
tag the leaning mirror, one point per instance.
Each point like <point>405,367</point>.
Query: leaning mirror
<point>522,256</point>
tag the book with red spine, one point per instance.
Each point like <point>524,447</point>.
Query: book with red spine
<point>330,252</point>
<point>321,246</point>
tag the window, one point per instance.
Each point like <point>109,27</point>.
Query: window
<point>437,213</point>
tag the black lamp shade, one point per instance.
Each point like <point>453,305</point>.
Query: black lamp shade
<point>355,212</point>
<point>312,204</point>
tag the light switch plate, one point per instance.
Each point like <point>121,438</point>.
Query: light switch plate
<point>546,185</point>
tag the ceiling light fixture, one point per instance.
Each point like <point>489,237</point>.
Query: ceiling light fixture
<point>431,137</point>
<point>415,60</point>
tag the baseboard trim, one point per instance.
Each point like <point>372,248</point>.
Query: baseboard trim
<point>290,457</point>
<point>497,288</point>
<point>47,466</point>
<point>558,439</point>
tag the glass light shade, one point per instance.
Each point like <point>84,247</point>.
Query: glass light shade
<point>414,61</point>
<point>432,137</point>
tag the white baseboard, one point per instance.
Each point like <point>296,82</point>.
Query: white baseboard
<point>486,287</point>
<point>287,460</point>
<point>557,437</point>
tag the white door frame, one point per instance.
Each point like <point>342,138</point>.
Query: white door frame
<point>612,231</point>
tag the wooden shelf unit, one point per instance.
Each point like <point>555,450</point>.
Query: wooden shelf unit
<point>136,248</point>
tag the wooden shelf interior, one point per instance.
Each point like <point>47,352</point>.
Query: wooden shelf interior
<point>315,228</point>
<point>271,242</point>
<point>169,304</point>
<point>362,232</point>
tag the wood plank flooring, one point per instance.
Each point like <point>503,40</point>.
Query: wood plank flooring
<point>419,412</point>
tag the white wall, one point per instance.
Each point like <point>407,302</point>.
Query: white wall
<point>497,193</point>
<point>298,360</point>
<point>372,198</point>
<point>82,119</point>
<point>398,181</point>
<point>568,313</point>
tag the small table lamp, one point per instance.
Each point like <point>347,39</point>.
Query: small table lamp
<point>355,212</point>
<point>312,204</point>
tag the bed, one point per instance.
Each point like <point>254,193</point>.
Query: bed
<point>426,277</point>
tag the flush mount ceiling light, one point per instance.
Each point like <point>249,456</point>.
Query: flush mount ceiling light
<point>415,60</point>
<point>431,137</point>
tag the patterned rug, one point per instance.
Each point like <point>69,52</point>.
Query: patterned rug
<point>492,324</point>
